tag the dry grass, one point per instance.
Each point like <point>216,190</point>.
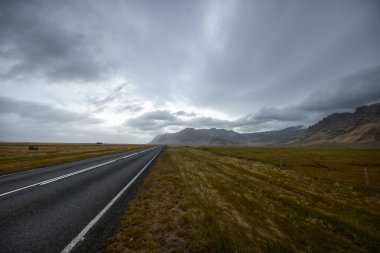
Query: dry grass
<point>17,157</point>
<point>158,220</point>
<point>195,200</point>
<point>337,165</point>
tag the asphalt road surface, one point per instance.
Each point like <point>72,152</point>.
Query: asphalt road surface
<point>72,207</point>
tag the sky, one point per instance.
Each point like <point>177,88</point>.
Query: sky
<point>126,71</point>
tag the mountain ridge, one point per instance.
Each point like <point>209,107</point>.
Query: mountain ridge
<point>214,136</point>
<point>361,126</point>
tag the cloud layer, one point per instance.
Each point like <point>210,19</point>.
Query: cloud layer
<point>43,113</point>
<point>138,68</point>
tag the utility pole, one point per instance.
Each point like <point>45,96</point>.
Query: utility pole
<point>366,176</point>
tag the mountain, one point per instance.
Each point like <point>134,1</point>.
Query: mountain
<point>361,126</point>
<point>215,136</point>
<point>190,136</point>
<point>275,137</point>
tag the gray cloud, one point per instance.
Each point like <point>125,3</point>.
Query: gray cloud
<point>154,120</point>
<point>290,113</point>
<point>261,64</point>
<point>41,39</point>
<point>131,108</point>
<point>344,94</point>
<point>43,113</point>
<point>159,119</point>
<point>277,52</point>
<point>22,129</point>
<point>118,95</point>
<point>110,97</point>
<point>186,114</point>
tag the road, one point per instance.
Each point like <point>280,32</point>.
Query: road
<point>71,207</point>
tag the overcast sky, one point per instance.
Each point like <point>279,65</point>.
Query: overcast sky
<point>125,71</point>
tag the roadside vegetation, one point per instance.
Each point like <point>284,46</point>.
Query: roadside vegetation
<point>334,164</point>
<point>16,157</point>
<point>211,199</point>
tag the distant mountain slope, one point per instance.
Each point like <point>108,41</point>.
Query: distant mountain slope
<point>190,136</point>
<point>362,126</point>
<point>214,136</point>
<point>275,137</point>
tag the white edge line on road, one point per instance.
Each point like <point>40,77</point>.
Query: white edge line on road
<point>19,189</point>
<point>41,168</point>
<point>79,237</point>
<point>72,173</point>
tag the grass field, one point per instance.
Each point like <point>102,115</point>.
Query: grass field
<point>338,164</point>
<point>16,157</point>
<point>211,199</point>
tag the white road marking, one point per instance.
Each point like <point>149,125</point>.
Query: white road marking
<point>41,168</point>
<point>72,173</point>
<point>81,235</point>
<point>19,189</point>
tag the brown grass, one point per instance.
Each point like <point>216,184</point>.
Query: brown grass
<point>335,164</point>
<point>198,200</point>
<point>16,157</point>
<point>159,219</point>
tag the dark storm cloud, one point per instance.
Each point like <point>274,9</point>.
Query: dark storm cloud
<point>42,113</point>
<point>266,63</point>
<point>277,51</point>
<point>344,94</point>
<point>347,93</point>
<point>272,50</point>
<point>40,38</point>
